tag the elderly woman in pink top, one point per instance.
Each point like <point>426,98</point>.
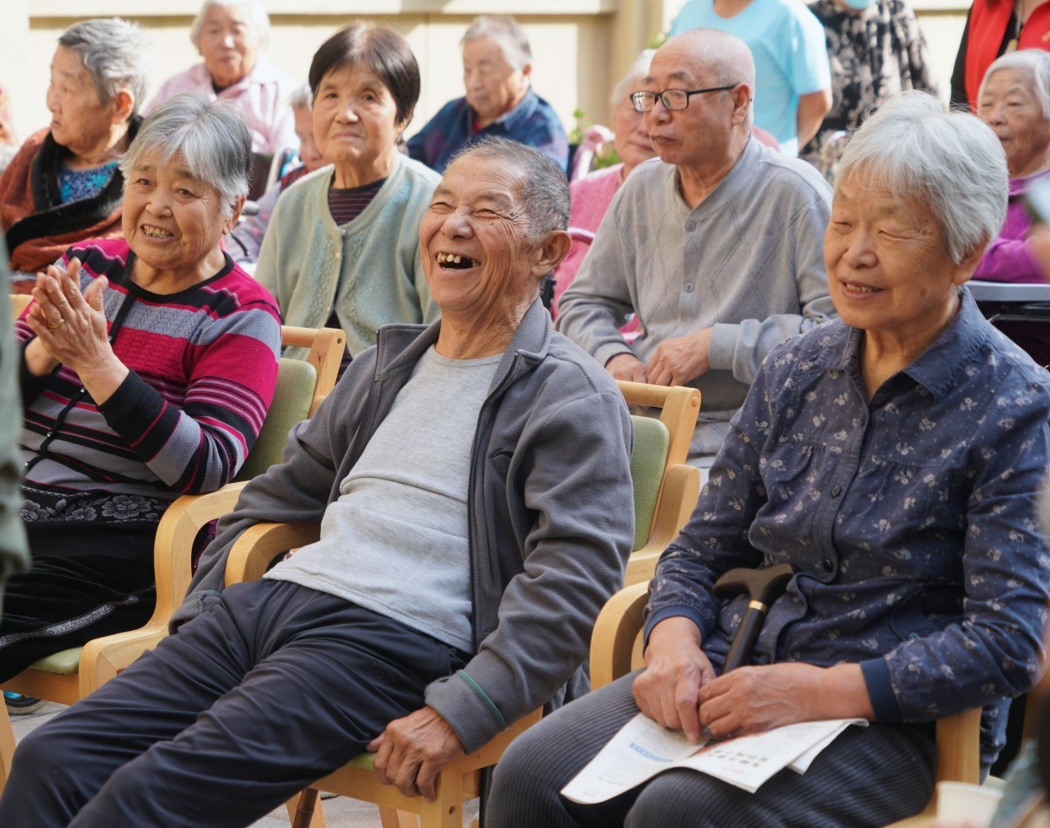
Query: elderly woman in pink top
<point>1014,98</point>
<point>230,36</point>
<point>591,195</point>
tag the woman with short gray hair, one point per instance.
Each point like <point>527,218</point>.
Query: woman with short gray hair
<point>1014,98</point>
<point>64,184</point>
<point>148,364</point>
<point>497,66</point>
<point>231,35</point>
<point>895,458</point>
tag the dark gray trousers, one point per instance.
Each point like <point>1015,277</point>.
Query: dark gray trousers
<point>866,777</point>
<point>276,687</point>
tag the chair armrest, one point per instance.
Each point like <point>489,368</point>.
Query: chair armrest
<point>615,631</point>
<point>681,490</point>
<point>102,658</point>
<point>260,544</point>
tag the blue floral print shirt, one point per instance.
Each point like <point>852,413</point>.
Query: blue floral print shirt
<point>912,521</point>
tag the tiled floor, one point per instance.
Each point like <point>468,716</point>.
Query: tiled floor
<point>339,812</point>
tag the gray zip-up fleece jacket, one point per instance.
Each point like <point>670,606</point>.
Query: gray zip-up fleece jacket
<point>550,503</point>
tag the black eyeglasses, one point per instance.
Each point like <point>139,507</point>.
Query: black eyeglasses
<point>672,99</point>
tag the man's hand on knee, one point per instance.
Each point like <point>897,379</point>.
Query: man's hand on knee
<point>411,752</point>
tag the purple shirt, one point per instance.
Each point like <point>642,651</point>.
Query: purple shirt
<point>1009,258</point>
<point>263,95</point>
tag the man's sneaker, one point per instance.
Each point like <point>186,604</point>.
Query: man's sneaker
<point>19,705</point>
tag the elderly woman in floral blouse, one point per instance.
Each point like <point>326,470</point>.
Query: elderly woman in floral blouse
<point>895,458</point>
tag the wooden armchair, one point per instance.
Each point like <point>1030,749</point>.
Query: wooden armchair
<point>616,650</point>
<point>73,673</point>
<point>665,494</point>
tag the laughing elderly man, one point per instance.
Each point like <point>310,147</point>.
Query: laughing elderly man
<point>716,245</point>
<point>473,480</point>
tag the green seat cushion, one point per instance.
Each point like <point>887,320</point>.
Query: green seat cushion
<point>63,663</point>
<point>296,380</point>
<point>651,440</point>
<point>364,761</point>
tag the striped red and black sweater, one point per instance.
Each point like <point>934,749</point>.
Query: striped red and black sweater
<point>203,364</point>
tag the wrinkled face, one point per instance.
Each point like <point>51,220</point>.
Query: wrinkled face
<point>493,87</point>
<point>173,221</point>
<point>475,243</point>
<point>79,118</point>
<point>632,135</point>
<point>888,271</point>
<point>1009,105</point>
<point>309,154</point>
<point>690,136</point>
<point>355,117</point>
<point>229,43</point>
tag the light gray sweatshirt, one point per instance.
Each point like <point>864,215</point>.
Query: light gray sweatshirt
<point>747,261</point>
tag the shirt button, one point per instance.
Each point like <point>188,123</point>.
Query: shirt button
<point>829,565</point>
<point>690,226</point>
<point>836,490</point>
<point>688,287</point>
<point>49,434</point>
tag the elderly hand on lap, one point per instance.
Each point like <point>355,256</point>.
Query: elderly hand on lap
<point>70,328</point>
<point>678,689</point>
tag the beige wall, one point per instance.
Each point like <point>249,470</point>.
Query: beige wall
<point>580,46</point>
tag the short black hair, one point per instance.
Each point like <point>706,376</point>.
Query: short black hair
<point>383,50</point>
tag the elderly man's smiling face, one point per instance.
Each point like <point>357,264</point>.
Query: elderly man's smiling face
<point>478,252</point>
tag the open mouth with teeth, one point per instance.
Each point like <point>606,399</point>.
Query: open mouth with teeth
<point>155,232</point>
<point>451,261</point>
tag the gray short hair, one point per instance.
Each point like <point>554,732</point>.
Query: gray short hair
<point>212,137</point>
<point>1036,63</point>
<point>639,69</point>
<point>505,32</point>
<point>301,98</point>
<point>951,161</point>
<point>115,53</point>
<point>260,19</point>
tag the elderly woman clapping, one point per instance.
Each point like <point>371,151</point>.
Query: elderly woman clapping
<point>895,458</point>
<point>231,36</point>
<point>148,366</point>
<point>1014,99</point>
<point>64,185</point>
<point>342,248</point>
<point>497,64</point>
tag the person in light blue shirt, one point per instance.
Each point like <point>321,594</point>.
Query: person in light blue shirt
<point>793,89</point>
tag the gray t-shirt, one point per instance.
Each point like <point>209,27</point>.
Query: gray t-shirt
<point>395,541</point>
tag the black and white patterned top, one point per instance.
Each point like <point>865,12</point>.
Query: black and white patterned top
<point>875,54</point>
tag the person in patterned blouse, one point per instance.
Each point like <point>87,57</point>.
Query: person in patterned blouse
<point>876,51</point>
<point>895,457</point>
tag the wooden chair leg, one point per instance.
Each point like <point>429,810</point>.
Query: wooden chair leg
<point>391,818</point>
<point>7,746</point>
<point>305,811</point>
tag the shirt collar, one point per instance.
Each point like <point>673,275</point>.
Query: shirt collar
<point>937,367</point>
<point>516,119</point>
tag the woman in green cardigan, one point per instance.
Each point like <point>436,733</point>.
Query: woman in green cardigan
<point>342,249</point>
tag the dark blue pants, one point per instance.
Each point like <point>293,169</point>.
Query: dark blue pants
<point>276,687</point>
<point>866,778</point>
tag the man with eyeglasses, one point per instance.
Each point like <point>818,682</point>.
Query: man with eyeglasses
<point>716,245</point>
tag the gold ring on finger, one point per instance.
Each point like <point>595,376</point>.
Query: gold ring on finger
<point>61,322</point>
